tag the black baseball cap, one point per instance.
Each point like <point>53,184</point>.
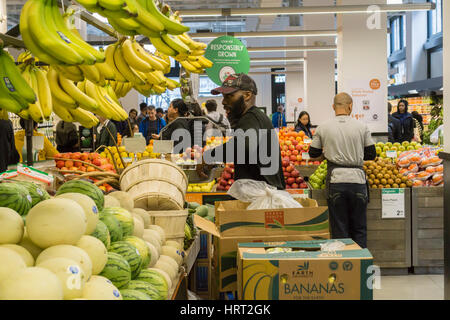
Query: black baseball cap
<point>236,82</point>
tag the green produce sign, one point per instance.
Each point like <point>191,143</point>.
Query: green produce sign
<point>229,56</point>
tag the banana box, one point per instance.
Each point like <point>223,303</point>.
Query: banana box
<point>299,270</point>
<point>309,223</point>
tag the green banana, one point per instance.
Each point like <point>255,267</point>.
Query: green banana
<point>126,24</point>
<point>145,18</point>
<point>162,47</point>
<point>113,5</point>
<point>175,44</point>
<point>171,26</point>
<point>121,30</point>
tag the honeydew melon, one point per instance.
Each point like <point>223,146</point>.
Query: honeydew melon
<point>96,251</point>
<point>89,207</point>
<point>26,256</point>
<point>11,226</point>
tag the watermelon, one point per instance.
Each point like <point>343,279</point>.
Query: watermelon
<point>125,218</point>
<point>142,248</point>
<point>84,187</point>
<point>128,294</point>
<point>113,225</point>
<point>130,253</point>
<point>101,232</point>
<point>16,197</point>
<point>37,192</point>
<point>156,280</point>
<point>146,288</point>
<point>117,270</point>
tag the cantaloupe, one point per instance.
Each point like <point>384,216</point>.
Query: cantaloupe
<point>154,254</point>
<point>89,207</point>
<point>96,251</point>
<point>138,230</point>
<point>31,284</point>
<point>165,266</point>
<point>125,200</point>
<point>175,244</point>
<point>160,231</point>
<point>30,245</point>
<point>69,273</point>
<point>171,261</point>
<point>10,261</point>
<point>11,226</point>
<point>56,221</point>
<point>110,202</point>
<point>145,216</point>
<point>71,252</point>
<point>149,236</point>
<point>155,234</point>
<point>26,256</point>
<point>177,255</point>
<point>100,288</point>
<point>165,275</point>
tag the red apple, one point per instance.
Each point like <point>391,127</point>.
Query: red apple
<point>287,174</point>
<point>285,163</point>
<point>59,164</point>
<point>226,176</point>
<point>290,181</point>
<point>290,169</point>
<point>299,147</point>
<point>223,182</point>
<point>284,168</point>
<point>227,187</point>
<point>295,174</point>
<point>294,186</point>
<point>299,180</point>
<point>294,142</point>
<point>303,185</point>
<point>293,158</point>
<point>288,187</point>
<point>97,162</point>
<point>295,152</point>
<point>288,154</point>
<point>317,163</point>
<point>286,159</point>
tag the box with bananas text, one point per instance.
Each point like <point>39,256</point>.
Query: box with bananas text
<point>299,270</point>
<point>235,226</point>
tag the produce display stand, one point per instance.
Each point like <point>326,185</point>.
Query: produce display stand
<point>428,230</point>
<point>389,240</point>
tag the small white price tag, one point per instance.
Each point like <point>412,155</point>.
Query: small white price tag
<point>391,154</point>
<point>392,203</point>
<point>305,156</point>
<point>307,141</point>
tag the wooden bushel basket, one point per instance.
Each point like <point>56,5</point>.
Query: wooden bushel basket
<point>172,222</point>
<point>155,184</point>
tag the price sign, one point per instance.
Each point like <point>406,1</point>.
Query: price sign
<point>163,146</point>
<point>305,156</point>
<point>391,154</point>
<point>307,141</point>
<point>392,203</point>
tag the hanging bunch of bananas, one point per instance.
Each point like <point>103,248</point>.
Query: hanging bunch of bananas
<point>121,89</point>
<point>133,17</point>
<point>132,63</point>
<point>15,92</point>
<point>46,35</point>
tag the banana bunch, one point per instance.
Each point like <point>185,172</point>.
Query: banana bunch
<point>133,17</point>
<point>132,63</point>
<point>15,92</point>
<point>47,36</point>
<point>121,89</point>
<point>42,108</point>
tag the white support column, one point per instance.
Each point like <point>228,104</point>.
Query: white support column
<point>416,36</point>
<point>319,67</point>
<point>446,55</point>
<point>295,94</point>
<point>3,16</point>
<point>362,62</point>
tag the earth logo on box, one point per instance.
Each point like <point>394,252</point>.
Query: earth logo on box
<point>333,265</point>
<point>347,266</point>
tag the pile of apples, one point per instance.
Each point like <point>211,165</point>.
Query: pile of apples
<point>227,178</point>
<point>68,162</point>
<point>292,177</point>
<point>292,145</point>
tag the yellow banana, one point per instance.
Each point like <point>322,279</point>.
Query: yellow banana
<point>24,114</point>
<point>175,44</point>
<point>124,69</point>
<point>91,73</point>
<point>196,64</point>
<point>205,62</point>
<point>105,70</point>
<point>120,114</point>
<point>44,93</point>
<point>188,66</point>
<point>56,89</point>
<point>110,61</point>
<point>104,109</point>
<point>133,59</point>
<point>35,109</point>
<point>73,73</point>
<point>83,117</point>
<point>79,96</point>
<point>161,46</point>
<point>62,112</point>
<point>150,59</point>
<point>198,53</point>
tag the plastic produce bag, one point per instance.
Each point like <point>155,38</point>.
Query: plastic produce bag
<point>261,195</point>
<point>332,246</point>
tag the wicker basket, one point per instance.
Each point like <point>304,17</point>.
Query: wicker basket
<point>155,185</point>
<point>172,222</point>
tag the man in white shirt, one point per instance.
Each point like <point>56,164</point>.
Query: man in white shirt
<point>219,119</point>
<point>346,143</point>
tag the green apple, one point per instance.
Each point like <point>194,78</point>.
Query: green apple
<point>405,143</point>
<point>385,148</point>
<point>378,149</point>
<point>394,148</point>
<point>380,144</point>
<point>397,144</point>
<point>414,143</point>
<point>389,144</point>
<point>401,148</point>
<point>383,155</point>
<point>410,148</point>
<point>418,147</point>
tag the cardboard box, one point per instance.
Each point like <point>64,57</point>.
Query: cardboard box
<point>310,222</point>
<point>309,275</point>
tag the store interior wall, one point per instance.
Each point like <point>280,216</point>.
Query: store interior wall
<point>416,56</point>
<point>294,91</point>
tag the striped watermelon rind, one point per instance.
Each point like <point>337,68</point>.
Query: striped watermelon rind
<point>36,192</point>
<point>156,280</point>
<point>125,218</point>
<point>113,225</point>
<point>130,253</point>
<point>146,288</point>
<point>117,270</point>
<point>16,197</point>
<point>142,247</point>
<point>84,187</point>
<point>101,232</point>
<point>128,294</point>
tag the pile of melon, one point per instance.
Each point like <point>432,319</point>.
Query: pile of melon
<point>81,244</point>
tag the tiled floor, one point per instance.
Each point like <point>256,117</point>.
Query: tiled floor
<point>411,287</point>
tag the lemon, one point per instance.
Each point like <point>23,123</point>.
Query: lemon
<point>124,155</point>
<point>205,189</point>
<point>122,149</point>
<point>131,155</point>
<point>196,189</point>
<point>146,154</point>
<point>189,189</point>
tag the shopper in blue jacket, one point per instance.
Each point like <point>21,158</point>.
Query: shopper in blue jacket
<point>151,124</point>
<point>278,118</point>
